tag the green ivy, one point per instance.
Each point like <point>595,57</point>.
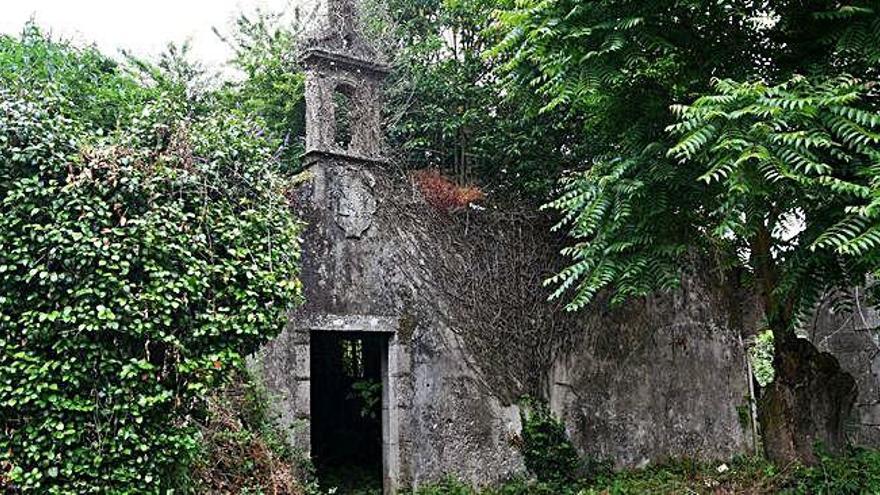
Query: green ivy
<point>144,249</point>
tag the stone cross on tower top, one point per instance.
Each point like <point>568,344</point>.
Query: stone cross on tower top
<point>343,91</point>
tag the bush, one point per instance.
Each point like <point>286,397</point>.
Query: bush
<point>144,249</point>
<point>442,193</point>
<point>547,451</point>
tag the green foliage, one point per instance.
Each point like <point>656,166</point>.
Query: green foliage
<point>799,166</point>
<point>439,112</point>
<point>631,242</point>
<point>854,473</point>
<point>547,451</point>
<point>776,179</point>
<point>265,47</point>
<point>761,358</point>
<point>87,83</point>
<point>855,34</point>
<point>446,109</point>
<point>145,247</point>
<point>616,63</point>
<point>370,394</point>
<point>616,67</point>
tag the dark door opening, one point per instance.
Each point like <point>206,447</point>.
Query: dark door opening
<point>346,416</point>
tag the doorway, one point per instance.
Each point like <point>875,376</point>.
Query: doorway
<point>347,393</point>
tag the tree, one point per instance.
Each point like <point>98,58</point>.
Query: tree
<point>441,113</point>
<point>775,175</point>
<point>446,108</point>
<point>798,168</point>
<point>265,47</point>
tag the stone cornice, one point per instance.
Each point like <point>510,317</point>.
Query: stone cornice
<point>312,156</point>
<point>319,56</point>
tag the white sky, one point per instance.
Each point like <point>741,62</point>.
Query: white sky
<point>142,26</point>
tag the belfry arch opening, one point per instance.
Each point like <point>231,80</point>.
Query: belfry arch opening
<point>344,112</point>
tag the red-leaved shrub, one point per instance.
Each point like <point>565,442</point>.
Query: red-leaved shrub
<point>444,194</point>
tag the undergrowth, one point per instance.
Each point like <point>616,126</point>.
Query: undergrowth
<point>857,472</point>
<point>547,452</point>
<point>147,245</point>
<point>243,451</point>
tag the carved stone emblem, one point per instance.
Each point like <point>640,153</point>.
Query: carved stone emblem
<point>355,203</point>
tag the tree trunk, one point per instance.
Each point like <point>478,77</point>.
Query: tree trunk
<point>807,404</point>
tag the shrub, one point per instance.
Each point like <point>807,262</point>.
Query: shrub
<point>139,261</point>
<point>444,194</point>
<point>547,451</point>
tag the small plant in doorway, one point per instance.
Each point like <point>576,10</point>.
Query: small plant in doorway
<point>370,393</point>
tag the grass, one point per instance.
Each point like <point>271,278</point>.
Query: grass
<point>857,472</point>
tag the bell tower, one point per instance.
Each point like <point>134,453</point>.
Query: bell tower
<point>343,91</point>
<point>345,291</point>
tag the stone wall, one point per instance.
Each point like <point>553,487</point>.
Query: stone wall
<point>663,377</point>
<point>358,267</point>
<point>851,336</point>
<point>472,332</point>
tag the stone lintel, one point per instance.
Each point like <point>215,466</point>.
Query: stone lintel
<point>347,323</point>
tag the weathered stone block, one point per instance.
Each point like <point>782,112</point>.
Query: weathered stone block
<point>302,362</point>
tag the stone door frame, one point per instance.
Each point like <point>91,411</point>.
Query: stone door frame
<point>393,363</point>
